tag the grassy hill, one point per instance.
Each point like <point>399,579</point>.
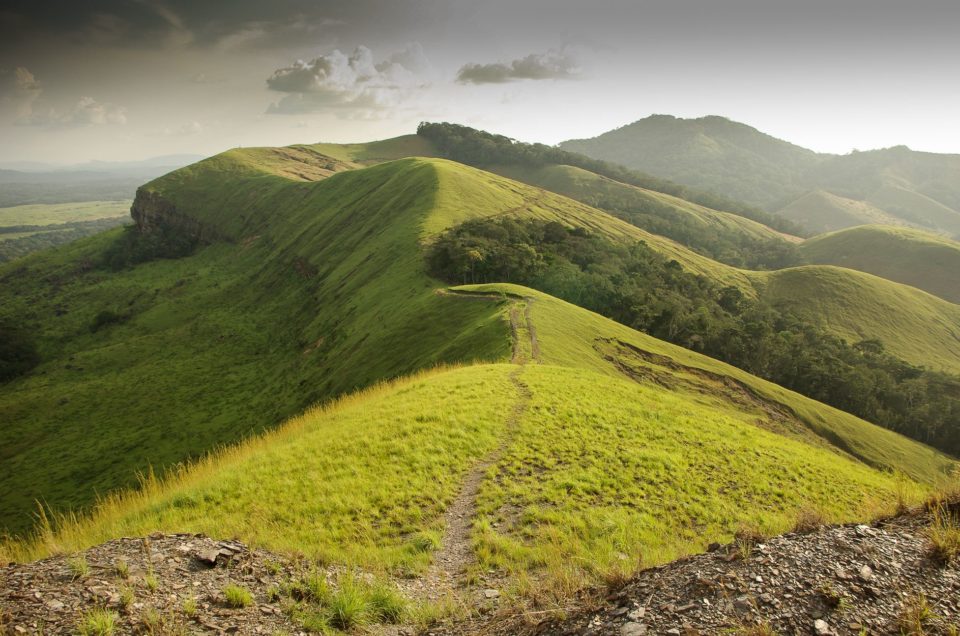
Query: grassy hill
<point>307,281</point>
<point>318,289</point>
<point>735,160</point>
<point>859,306</point>
<point>711,153</point>
<point>607,449</point>
<point>907,256</point>
<point>822,211</point>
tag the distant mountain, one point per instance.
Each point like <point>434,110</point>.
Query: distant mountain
<point>897,185</point>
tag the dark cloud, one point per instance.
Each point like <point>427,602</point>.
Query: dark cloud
<point>228,24</point>
<point>536,66</point>
<point>355,81</point>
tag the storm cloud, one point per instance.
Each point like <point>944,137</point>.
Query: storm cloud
<point>536,66</point>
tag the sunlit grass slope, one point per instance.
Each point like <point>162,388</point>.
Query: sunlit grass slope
<point>319,289</point>
<point>629,449</point>
<point>313,288</point>
<point>912,324</point>
<point>605,474</point>
<point>821,211</point>
<point>913,257</point>
<point>573,337</point>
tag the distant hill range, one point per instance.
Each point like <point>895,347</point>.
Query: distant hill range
<point>29,183</point>
<point>821,192</point>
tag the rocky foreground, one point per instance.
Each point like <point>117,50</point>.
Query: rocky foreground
<point>884,578</point>
<point>162,584</point>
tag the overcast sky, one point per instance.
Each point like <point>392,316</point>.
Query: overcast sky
<point>130,79</point>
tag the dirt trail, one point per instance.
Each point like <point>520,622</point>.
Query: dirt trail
<point>451,561</point>
<point>456,549</point>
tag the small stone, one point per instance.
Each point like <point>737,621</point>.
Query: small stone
<point>743,604</point>
<point>55,606</point>
<point>633,629</point>
<point>866,573</point>
<point>491,593</point>
<point>637,614</point>
<point>620,611</point>
<point>822,628</point>
<point>674,631</point>
<point>713,547</point>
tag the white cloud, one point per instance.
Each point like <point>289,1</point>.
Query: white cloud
<point>85,112</point>
<point>186,130</point>
<point>20,89</point>
<point>536,66</point>
<point>352,82</point>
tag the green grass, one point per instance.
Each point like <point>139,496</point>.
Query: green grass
<point>572,337</point>
<point>912,257</point>
<point>821,211</point>
<point>589,187</point>
<point>97,622</point>
<point>317,289</point>
<point>58,213</point>
<point>632,473</point>
<point>913,325</point>
<point>237,597</point>
<point>330,296</point>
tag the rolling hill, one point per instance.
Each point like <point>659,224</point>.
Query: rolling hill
<point>303,280</point>
<point>891,186</point>
<point>907,256</point>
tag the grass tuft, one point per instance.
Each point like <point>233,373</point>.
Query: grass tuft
<point>944,535</point>
<point>237,597</point>
<point>97,622</point>
<point>79,568</point>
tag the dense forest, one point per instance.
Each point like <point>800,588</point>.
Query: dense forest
<point>479,148</point>
<point>638,287</point>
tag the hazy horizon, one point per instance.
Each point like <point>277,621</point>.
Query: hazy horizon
<point>122,80</point>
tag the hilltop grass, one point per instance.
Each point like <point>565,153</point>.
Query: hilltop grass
<point>912,257</point>
<point>58,213</point>
<point>596,480</point>
<point>573,337</point>
<point>361,482</point>
<point>326,295</point>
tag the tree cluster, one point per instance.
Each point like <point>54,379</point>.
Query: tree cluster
<point>638,287</point>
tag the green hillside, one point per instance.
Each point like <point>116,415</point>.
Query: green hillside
<point>907,256</point>
<point>318,289</point>
<point>822,211</point>
<point>912,324</point>
<point>603,442</point>
<point>728,238</point>
<point>711,153</point>
<point>289,286</point>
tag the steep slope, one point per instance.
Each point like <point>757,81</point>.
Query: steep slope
<point>726,237</point>
<point>821,211</point>
<point>312,289</point>
<point>907,256</point>
<point>712,153</point>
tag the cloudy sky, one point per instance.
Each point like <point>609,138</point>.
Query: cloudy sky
<point>130,79</point>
